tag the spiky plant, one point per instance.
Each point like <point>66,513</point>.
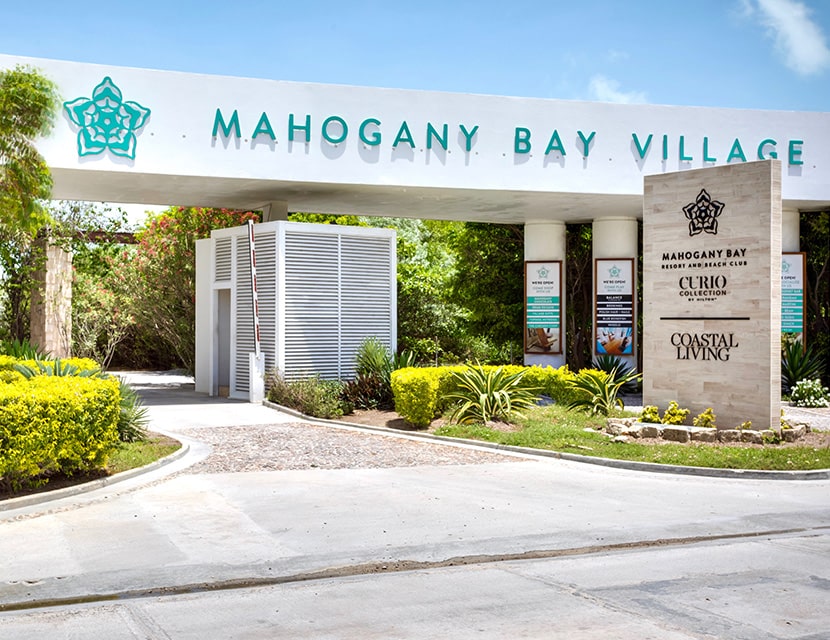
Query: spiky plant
<point>486,395</point>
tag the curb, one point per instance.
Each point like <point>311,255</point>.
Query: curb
<point>68,492</point>
<point>628,465</point>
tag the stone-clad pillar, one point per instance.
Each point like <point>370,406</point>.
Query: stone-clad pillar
<point>547,241</point>
<point>51,308</point>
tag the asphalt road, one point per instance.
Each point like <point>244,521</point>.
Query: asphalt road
<point>535,548</point>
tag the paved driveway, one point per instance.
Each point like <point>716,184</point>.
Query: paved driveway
<point>411,539</point>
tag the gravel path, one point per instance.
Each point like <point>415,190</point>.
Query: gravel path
<point>277,447</point>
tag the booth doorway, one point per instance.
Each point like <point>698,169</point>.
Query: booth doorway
<point>222,375</point>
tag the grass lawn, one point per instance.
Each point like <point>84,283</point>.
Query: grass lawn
<point>557,429</point>
<point>130,455</point>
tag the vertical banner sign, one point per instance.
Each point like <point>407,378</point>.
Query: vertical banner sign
<point>793,272</point>
<point>614,306</point>
<point>543,317</point>
<point>254,301</point>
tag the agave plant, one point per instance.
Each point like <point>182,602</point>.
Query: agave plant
<point>614,366</point>
<point>597,391</point>
<point>799,363</point>
<point>486,395</point>
<point>56,368</point>
<point>22,350</point>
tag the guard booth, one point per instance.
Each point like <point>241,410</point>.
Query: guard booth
<point>321,290</point>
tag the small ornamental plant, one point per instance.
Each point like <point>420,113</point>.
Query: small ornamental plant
<point>650,414</point>
<point>705,419</point>
<point>674,414</point>
<point>745,426</point>
<point>809,393</point>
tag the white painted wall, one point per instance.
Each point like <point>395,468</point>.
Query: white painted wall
<point>177,141</point>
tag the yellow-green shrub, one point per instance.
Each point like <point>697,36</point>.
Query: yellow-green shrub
<point>53,424</point>
<point>7,362</point>
<point>416,394</point>
<point>7,376</point>
<point>422,393</point>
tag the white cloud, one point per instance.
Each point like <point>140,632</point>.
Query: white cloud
<point>608,90</point>
<point>796,35</point>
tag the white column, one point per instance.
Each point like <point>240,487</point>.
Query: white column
<point>616,237</point>
<point>276,210</point>
<point>790,231</point>
<point>205,314</point>
<point>547,241</point>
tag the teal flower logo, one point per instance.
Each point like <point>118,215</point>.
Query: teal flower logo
<point>543,272</point>
<point>106,121</point>
<point>614,271</point>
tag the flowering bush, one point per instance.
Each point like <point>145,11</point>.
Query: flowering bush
<point>809,393</point>
<point>162,273</point>
<point>705,419</point>
<point>674,414</point>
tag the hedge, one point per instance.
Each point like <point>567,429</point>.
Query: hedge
<point>56,424</point>
<point>421,392</point>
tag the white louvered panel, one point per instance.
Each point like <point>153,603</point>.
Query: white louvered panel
<point>311,305</point>
<point>266,271</point>
<point>366,294</point>
<point>224,258</point>
<point>244,315</point>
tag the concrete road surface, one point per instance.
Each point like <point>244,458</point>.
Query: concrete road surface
<point>534,548</point>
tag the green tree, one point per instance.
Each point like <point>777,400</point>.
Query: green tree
<point>815,241</point>
<point>160,274</point>
<point>489,281</point>
<point>28,105</point>
<point>428,318</point>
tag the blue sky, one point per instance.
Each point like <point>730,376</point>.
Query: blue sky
<point>764,54</point>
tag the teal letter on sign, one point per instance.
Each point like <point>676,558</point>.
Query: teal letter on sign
<point>736,152</point>
<point>375,139</point>
<point>683,156</point>
<point>219,122</point>
<point>665,146</point>
<point>642,149</point>
<point>555,144</point>
<point>586,142</point>
<point>433,132</point>
<point>795,154</point>
<point>521,141</point>
<point>468,136</point>
<point>404,135</point>
<point>263,126</point>
<point>302,127</point>
<point>344,130</point>
<point>764,143</point>
<point>706,157</point>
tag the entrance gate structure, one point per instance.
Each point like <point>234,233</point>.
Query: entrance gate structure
<point>160,137</point>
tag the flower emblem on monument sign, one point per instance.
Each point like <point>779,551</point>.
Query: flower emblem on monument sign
<point>785,266</point>
<point>614,271</point>
<point>543,272</point>
<point>703,214</point>
<point>105,121</point>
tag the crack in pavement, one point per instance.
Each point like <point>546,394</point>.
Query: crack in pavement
<point>397,566</point>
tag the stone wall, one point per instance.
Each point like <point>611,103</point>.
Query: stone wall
<point>51,308</point>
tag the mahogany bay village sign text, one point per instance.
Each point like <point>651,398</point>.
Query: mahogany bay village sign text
<point>373,132</point>
<point>712,291</point>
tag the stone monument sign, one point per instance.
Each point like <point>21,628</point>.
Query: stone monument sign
<point>712,292</point>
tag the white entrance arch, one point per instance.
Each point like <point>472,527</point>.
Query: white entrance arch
<point>155,137</point>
